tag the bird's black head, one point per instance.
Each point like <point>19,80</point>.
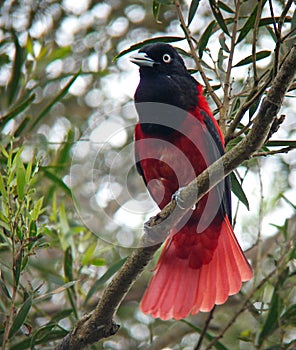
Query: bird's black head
<point>163,79</point>
<point>162,58</point>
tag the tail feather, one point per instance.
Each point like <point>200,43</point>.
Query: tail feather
<point>178,289</point>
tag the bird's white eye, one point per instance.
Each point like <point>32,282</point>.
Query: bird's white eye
<point>166,58</point>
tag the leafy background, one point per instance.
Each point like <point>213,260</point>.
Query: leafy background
<point>68,220</point>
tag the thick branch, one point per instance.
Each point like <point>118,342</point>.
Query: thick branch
<point>99,323</point>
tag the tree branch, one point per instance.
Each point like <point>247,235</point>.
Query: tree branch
<point>99,324</point>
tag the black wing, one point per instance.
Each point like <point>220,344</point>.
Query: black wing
<point>224,190</point>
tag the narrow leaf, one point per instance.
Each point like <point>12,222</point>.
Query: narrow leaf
<point>159,39</point>
<point>37,210</point>
<point>20,177</point>
<point>20,317</point>
<point>254,107</point>
<point>259,56</point>
<point>14,83</point>
<point>64,153</point>
<point>68,265</point>
<point>54,292</point>
<point>249,24</point>
<point>225,7</point>
<point>192,10</point>
<point>222,41</point>
<point>238,190</point>
<point>61,315</point>
<point>289,316</point>
<point>281,143</point>
<point>18,109</point>
<point>204,38</point>
<point>165,2</point>
<point>62,93</point>
<point>155,9</point>
<point>221,59</point>
<point>276,307</point>
<point>218,15</point>
<point>108,274</point>
<point>2,188</point>
<point>59,182</point>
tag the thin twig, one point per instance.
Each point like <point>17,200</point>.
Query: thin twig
<point>278,151</point>
<point>254,43</point>
<point>205,328</point>
<point>226,100</point>
<point>254,95</point>
<point>244,129</point>
<point>278,37</point>
<point>278,33</point>
<point>195,57</point>
<point>260,218</point>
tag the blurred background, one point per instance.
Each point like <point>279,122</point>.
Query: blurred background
<point>72,204</point>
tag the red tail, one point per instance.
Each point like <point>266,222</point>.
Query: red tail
<point>195,276</point>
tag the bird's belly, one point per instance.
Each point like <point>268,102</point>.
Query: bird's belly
<point>167,167</point>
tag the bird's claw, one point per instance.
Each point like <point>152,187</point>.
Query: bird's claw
<point>177,197</point>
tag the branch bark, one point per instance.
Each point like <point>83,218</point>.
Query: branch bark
<point>99,324</point>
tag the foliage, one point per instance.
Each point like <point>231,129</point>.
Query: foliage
<point>63,83</point>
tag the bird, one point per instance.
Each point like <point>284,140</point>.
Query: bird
<point>176,138</point>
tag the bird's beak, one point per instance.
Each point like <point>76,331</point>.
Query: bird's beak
<point>142,59</point>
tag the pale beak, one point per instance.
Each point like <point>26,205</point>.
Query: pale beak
<point>142,59</point>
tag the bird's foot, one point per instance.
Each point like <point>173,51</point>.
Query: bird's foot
<point>177,197</point>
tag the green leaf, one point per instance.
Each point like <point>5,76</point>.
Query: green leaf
<point>18,109</point>
<point>281,143</point>
<point>61,315</point>
<point>2,188</point>
<point>30,342</point>
<point>289,316</point>
<point>272,33</point>
<point>253,108</point>
<point>3,286</point>
<point>158,39</point>
<point>59,182</point>
<point>238,190</point>
<point>221,59</point>
<point>30,46</point>
<point>155,9</point>
<point>68,265</point>
<point>65,236</point>
<point>249,24</point>
<point>20,176</point>
<point>225,7</point>
<point>57,53</point>
<point>249,59</point>
<point>218,15</point>
<point>64,153</point>
<point>222,41</point>
<point>14,84</point>
<point>165,2</point>
<point>37,210</point>
<point>62,93</point>
<point>4,59</point>
<point>20,317</point>
<point>192,10</point>
<point>276,306</point>
<point>108,274</point>
<point>90,259</point>
<point>204,38</point>
<point>58,290</point>
<point>28,172</point>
